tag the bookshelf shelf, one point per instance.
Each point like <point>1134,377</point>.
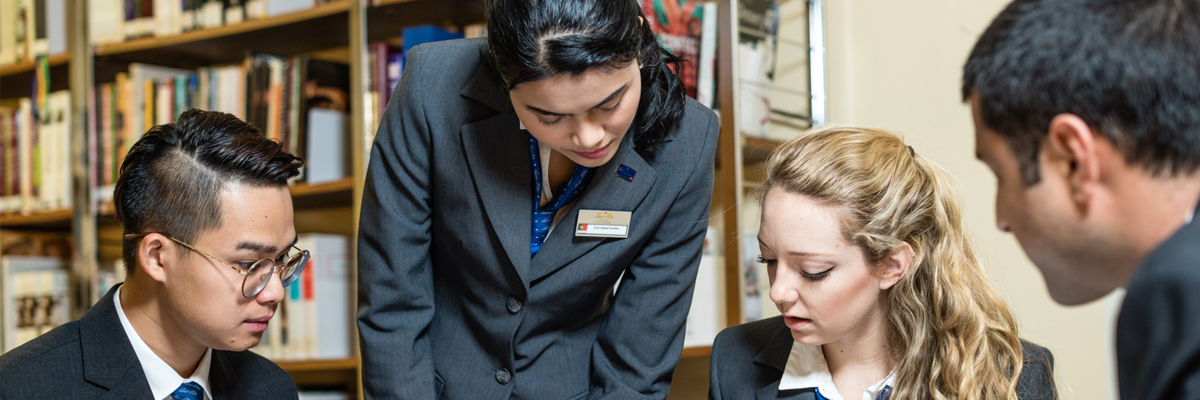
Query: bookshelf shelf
<point>756,149</point>
<point>337,193</point>
<point>28,66</point>
<point>386,18</point>
<point>696,352</point>
<point>46,219</point>
<point>324,26</point>
<point>322,372</point>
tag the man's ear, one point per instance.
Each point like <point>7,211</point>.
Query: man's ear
<point>1071,149</point>
<point>154,253</point>
<point>896,265</point>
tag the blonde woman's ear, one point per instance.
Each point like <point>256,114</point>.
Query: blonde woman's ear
<point>896,265</point>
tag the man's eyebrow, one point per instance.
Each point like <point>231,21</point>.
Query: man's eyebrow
<point>610,97</point>
<point>257,247</point>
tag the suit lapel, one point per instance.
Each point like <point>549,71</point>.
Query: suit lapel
<point>220,379</point>
<point>498,157</point>
<point>607,192</point>
<point>775,356</point>
<point>108,358</point>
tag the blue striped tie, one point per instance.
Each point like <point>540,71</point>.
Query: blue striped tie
<point>543,216</point>
<point>188,391</point>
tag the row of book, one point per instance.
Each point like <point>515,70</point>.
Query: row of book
<point>115,21</point>
<point>29,28</point>
<point>313,322</point>
<point>35,154</point>
<point>34,291</point>
<point>299,102</point>
<point>387,65</point>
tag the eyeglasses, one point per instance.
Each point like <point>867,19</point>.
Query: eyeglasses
<point>256,275</point>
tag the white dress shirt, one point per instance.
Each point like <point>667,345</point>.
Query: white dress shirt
<point>806,368</point>
<point>162,378</point>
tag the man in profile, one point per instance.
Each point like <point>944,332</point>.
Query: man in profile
<point>1088,113</point>
<point>208,247</point>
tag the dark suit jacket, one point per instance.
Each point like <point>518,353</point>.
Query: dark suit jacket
<point>451,305</point>
<point>1158,330</point>
<point>92,359</point>
<point>748,362</point>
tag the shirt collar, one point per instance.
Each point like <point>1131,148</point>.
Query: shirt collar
<point>806,369</point>
<point>162,378</point>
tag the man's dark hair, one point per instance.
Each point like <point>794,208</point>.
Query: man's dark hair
<point>173,176</point>
<point>1129,68</point>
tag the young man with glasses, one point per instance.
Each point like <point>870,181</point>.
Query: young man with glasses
<point>208,247</point>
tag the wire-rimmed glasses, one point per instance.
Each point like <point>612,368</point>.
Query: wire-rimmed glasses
<point>257,274</point>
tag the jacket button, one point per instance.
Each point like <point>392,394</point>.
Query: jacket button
<point>502,376</point>
<point>514,304</point>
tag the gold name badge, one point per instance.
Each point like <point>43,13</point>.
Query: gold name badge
<point>605,224</point>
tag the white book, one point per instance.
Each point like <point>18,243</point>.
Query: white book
<point>164,101</point>
<point>62,115</point>
<point>256,9</point>
<point>327,273</point>
<point>706,77</point>
<point>212,15</point>
<point>325,152</point>
<point>25,136</point>
<point>8,37</point>
<point>106,21</point>
<point>38,45</point>
<point>56,26</point>
<point>703,320</point>
<point>280,7</point>
<point>18,281</point>
<point>234,15</point>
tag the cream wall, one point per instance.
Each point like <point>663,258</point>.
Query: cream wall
<point>897,65</point>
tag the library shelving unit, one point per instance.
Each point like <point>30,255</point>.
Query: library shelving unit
<point>341,30</point>
<point>799,96</point>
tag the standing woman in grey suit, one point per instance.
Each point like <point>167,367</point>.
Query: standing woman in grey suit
<point>882,292</point>
<point>512,183</point>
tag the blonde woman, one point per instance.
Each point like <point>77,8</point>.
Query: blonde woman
<point>882,292</point>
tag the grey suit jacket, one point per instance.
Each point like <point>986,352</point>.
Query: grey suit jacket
<point>748,362</point>
<point>450,303</point>
<point>91,358</point>
<point>1158,329</point>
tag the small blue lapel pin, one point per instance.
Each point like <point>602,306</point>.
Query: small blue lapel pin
<point>625,172</point>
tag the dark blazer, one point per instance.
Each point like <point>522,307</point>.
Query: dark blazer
<point>450,303</point>
<point>91,358</point>
<point>748,361</point>
<point>1158,329</point>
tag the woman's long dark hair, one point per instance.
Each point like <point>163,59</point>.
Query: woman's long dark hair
<point>535,39</point>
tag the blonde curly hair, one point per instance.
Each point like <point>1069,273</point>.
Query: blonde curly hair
<point>949,333</point>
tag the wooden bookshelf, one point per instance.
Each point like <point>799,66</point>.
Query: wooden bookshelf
<point>56,219</point>
<point>756,149</point>
<point>386,18</point>
<point>322,372</point>
<point>696,352</point>
<point>331,194</point>
<point>324,26</point>
<point>29,66</point>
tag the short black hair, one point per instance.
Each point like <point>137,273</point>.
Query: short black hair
<point>172,178</point>
<point>535,39</point>
<point>1130,69</point>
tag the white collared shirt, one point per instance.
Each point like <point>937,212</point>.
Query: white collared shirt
<point>162,378</point>
<point>806,368</point>
<point>547,191</point>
